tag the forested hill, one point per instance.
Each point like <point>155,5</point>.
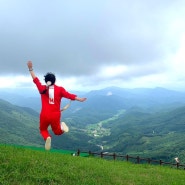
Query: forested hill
<point>18,125</point>
<point>145,122</point>
<point>158,135</point>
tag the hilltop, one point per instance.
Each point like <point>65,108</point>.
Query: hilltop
<point>26,166</point>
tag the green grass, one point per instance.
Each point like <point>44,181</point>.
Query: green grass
<point>25,166</point>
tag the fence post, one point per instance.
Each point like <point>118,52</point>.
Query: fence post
<point>138,159</point>
<point>89,152</point>
<point>127,157</point>
<point>114,156</point>
<point>149,160</point>
<point>160,162</point>
<point>177,165</point>
<point>101,154</point>
<point>78,152</point>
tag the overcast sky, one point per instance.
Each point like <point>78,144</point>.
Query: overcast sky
<point>92,44</point>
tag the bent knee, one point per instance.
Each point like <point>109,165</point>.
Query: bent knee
<point>58,132</point>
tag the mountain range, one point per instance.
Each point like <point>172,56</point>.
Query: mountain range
<point>143,121</point>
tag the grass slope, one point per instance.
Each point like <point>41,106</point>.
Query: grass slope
<point>25,166</point>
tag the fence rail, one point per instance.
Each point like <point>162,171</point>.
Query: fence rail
<point>127,157</point>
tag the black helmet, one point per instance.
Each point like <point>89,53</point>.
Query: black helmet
<point>50,77</point>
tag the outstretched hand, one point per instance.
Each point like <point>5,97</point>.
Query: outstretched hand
<point>80,99</point>
<point>83,99</point>
<point>30,67</point>
<point>29,64</point>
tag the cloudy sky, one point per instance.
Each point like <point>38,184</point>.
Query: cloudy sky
<point>92,44</point>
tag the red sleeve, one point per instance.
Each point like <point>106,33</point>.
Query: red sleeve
<point>67,95</point>
<point>40,87</point>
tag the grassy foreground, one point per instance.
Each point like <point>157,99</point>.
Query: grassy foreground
<point>24,166</point>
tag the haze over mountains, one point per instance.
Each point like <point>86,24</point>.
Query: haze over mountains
<point>142,121</point>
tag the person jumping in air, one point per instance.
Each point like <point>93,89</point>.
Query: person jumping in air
<point>51,96</point>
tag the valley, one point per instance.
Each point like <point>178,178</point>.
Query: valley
<point>145,122</point>
<point>98,129</point>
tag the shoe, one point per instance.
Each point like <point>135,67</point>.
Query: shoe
<point>48,143</point>
<point>64,127</point>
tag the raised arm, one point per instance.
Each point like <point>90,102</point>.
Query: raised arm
<point>30,67</point>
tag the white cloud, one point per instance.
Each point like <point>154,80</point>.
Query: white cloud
<point>14,81</point>
<point>112,71</point>
<point>94,44</point>
<point>109,93</point>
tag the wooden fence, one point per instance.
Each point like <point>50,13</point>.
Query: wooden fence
<point>137,159</point>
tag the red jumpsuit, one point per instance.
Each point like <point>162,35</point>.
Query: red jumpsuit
<point>50,112</point>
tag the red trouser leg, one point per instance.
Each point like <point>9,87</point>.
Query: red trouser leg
<point>55,123</point>
<point>44,123</point>
<point>45,134</point>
